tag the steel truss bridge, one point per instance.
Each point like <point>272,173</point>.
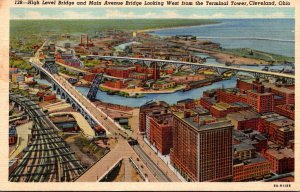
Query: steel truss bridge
<point>220,69</point>
<point>60,88</point>
<point>47,157</point>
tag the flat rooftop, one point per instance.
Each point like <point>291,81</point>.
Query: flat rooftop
<point>243,115</point>
<point>243,147</point>
<point>206,118</point>
<point>281,153</point>
<point>257,159</point>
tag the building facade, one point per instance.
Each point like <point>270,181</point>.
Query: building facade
<point>202,152</point>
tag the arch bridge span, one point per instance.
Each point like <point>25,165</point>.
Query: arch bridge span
<point>290,79</point>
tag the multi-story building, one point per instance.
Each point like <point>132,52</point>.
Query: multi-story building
<point>202,151</point>
<point>244,119</point>
<point>254,138</point>
<point>230,96</point>
<point>89,77</point>
<point>122,72</point>
<point>221,109</point>
<point>261,101</point>
<point>117,84</point>
<point>282,160</point>
<point>154,107</point>
<point>287,110</point>
<point>280,129</point>
<point>281,93</point>
<point>254,168</point>
<point>207,102</point>
<point>186,103</point>
<point>285,92</point>
<point>284,134</point>
<point>161,132</point>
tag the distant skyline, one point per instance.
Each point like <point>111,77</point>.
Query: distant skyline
<point>151,13</point>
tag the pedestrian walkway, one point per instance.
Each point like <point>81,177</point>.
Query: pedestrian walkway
<point>128,170</point>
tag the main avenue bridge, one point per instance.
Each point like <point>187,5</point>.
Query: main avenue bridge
<point>220,69</point>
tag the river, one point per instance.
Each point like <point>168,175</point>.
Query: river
<point>170,98</point>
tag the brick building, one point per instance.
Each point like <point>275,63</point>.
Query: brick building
<point>141,76</point>
<point>251,169</point>
<point>202,151</point>
<point>161,132</point>
<point>283,93</point>
<point>261,101</point>
<point>280,129</point>
<point>89,77</point>
<point>207,102</point>
<point>117,84</point>
<point>154,107</point>
<point>230,96</point>
<point>122,72</point>
<point>186,103</point>
<point>287,93</point>
<point>287,110</point>
<point>282,160</point>
<point>254,138</point>
<point>244,119</point>
<point>221,109</point>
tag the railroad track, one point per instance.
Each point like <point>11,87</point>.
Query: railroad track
<point>47,157</point>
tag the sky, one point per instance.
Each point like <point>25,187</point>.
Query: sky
<point>150,13</point>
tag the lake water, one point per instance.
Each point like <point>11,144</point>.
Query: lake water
<point>269,35</point>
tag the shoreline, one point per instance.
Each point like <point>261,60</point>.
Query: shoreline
<point>141,92</point>
<point>178,27</point>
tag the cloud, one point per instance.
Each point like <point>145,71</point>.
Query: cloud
<point>78,15</point>
<point>118,14</point>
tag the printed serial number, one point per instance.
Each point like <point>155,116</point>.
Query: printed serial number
<point>282,185</point>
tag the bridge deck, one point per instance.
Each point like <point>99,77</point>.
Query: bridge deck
<point>198,64</point>
<point>122,150</point>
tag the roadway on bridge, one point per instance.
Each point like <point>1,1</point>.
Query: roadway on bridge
<point>121,151</point>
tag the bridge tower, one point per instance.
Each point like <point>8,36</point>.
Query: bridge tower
<point>95,86</point>
<point>50,65</point>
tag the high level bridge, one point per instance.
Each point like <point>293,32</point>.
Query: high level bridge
<point>220,69</point>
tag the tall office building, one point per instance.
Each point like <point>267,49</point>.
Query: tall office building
<point>202,149</point>
<point>151,108</point>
